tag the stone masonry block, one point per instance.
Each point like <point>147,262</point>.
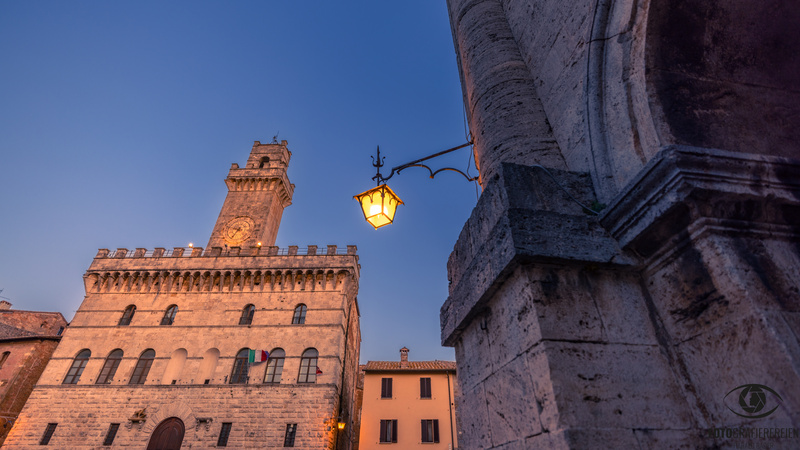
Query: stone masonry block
<point>474,420</point>
<point>544,395</point>
<point>614,386</point>
<point>513,324</point>
<point>513,411</point>
<point>473,356</point>
<point>711,359</point>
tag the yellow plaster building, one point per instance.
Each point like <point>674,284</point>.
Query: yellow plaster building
<point>409,404</point>
<point>159,353</point>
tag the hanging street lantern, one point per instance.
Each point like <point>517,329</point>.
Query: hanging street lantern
<point>379,205</point>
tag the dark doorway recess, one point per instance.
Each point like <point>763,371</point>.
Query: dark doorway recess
<point>168,435</point>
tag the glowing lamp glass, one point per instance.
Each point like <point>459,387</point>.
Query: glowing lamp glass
<point>340,425</point>
<point>379,205</point>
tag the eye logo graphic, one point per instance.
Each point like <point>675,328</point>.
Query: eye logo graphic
<point>752,400</point>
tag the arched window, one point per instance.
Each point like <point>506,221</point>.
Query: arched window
<point>127,315</point>
<point>247,315</point>
<point>4,358</point>
<point>275,366</point>
<point>109,367</point>
<point>264,162</point>
<point>78,364</point>
<point>299,314</point>
<point>240,366</point>
<point>143,367</point>
<point>169,315</point>
<point>308,366</point>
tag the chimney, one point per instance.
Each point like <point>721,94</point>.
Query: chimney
<point>4,305</point>
<point>403,358</point>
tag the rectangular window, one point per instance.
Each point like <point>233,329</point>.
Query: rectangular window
<point>389,430</point>
<point>48,433</point>
<point>430,431</point>
<point>386,388</point>
<point>424,388</point>
<point>291,430</point>
<point>224,432</point>
<point>111,434</point>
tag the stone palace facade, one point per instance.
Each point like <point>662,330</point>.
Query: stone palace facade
<point>167,347</point>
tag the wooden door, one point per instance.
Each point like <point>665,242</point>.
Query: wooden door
<point>168,435</point>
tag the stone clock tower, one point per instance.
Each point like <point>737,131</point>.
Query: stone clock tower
<point>257,194</point>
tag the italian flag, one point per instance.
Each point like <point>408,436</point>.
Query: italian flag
<point>257,356</point>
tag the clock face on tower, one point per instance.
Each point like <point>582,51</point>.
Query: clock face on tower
<point>237,230</point>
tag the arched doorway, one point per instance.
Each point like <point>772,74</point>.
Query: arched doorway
<point>168,435</point>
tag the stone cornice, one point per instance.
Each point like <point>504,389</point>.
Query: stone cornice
<point>689,185</point>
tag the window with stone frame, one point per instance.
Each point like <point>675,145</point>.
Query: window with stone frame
<point>388,431</point>
<point>308,366</point>
<point>4,358</point>
<point>76,369</point>
<point>241,366</point>
<point>430,431</point>
<point>291,432</point>
<point>386,388</point>
<point>111,434</point>
<point>247,315</point>
<point>127,315</point>
<point>143,367</point>
<point>425,387</point>
<point>224,434</point>
<point>169,315</point>
<point>48,433</point>
<point>299,317</point>
<point>109,367</point>
<point>275,366</point>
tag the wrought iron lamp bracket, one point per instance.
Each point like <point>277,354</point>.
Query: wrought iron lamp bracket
<point>378,163</point>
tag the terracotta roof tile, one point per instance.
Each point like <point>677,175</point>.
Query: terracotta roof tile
<point>417,366</point>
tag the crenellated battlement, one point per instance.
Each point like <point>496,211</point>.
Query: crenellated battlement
<point>193,252</point>
<point>196,270</point>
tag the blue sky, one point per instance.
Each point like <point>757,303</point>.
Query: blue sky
<point>119,122</point>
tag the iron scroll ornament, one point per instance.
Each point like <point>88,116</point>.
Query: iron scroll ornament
<point>378,163</point>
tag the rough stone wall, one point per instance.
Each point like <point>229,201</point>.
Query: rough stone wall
<point>506,116</point>
<point>27,339</point>
<point>210,292</point>
<point>720,70</point>
<point>610,83</point>
<point>258,413</point>
<point>627,332</point>
<point>19,323</point>
<point>357,407</point>
<point>19,374</point>
<point>349,409</point>
<point>629,327</point>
